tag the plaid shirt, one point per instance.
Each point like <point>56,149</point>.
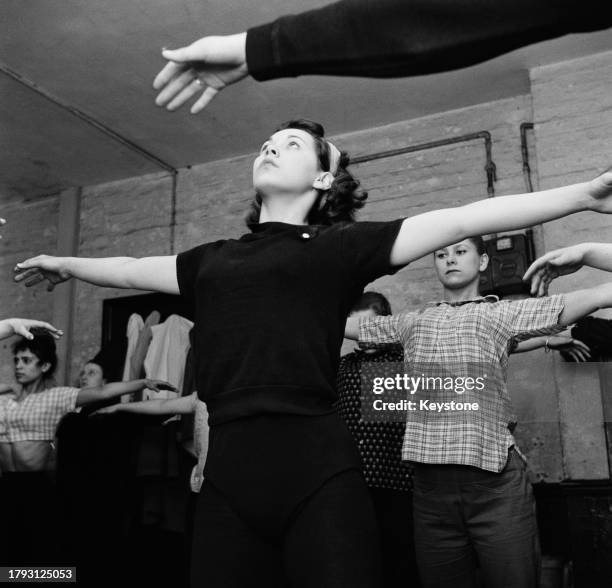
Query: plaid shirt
<point>35,417</point>
<point>450,337</point>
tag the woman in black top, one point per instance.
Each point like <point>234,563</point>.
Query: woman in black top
<point>282,478</point>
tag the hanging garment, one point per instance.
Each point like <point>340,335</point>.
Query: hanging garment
<point>133,330</point>
<point>165,359</point>
<point>137,369</point>
<point>134,327</point>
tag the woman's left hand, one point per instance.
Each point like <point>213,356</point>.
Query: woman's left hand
<point>159,385</point>
<point>552,265</point>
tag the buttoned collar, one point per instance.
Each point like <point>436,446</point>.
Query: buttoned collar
<point>488,298</point>
<point>304,232</point>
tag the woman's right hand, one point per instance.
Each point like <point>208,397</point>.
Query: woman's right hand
<point>40,268</point>
<point>208,65</point>
<point>552,265</point>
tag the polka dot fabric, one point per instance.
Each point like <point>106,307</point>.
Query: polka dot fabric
<point>380,444</point>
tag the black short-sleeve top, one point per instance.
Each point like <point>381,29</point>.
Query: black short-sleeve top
<point>270,310</point>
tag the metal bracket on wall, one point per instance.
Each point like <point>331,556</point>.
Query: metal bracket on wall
<point>490,168</point>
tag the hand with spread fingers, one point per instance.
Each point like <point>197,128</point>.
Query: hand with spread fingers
<point>561,262</point>
<point>19,326</point>
<point>203,68</point>
<point>571,348</point>
<point>556,263</point>
<point>40,268</point>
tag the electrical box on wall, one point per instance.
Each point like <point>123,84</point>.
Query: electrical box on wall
<point>509,258</point>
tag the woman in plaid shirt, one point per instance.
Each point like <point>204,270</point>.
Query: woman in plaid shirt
<point>472,498</point>
<point>29,415</point>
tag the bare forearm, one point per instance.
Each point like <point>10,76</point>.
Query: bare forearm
<point>599,255</point>
<point>529,344</point>
<point>351,331</point>
<point>6,329</point>
<point>506,213</point>
<point>115,389</point>
<point>427,232</point>
<point>583,302</point>
<point>108,271</point>
<point>144,407</point>
<point>182,405</point>
<point>108,391</point>
<point>148,273</point>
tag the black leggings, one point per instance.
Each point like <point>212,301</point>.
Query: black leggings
<point>330,540</point>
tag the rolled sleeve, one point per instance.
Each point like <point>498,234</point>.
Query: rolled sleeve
<point>61,401</point>
<point>381,330</point>
<point>533,317</point>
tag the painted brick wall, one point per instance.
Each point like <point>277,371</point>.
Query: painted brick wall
<point>126,218</point>
<point>571,105</point>
<point>573,116</point>
<point>31,229</point>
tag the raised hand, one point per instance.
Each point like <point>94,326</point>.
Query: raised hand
<point>22,327</point>
<point>40,268</point>
<point>571,348</point>
<point>207,66</point>
<point>556,263</point>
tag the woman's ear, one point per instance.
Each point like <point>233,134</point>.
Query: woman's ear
<point>484,262</point>
<point>323,181</point>
<point>45,367</point>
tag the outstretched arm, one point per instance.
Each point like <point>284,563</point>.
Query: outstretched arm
<point>108,391</point>
<point>157,274</point>
<point>386,38</point>
<point>182,405</point>
<point>17,326</point>
<point>582,302</point>
<point>427,232</point>
<point>574,348</point>
<point>351,331</point>
<point>565,261</point>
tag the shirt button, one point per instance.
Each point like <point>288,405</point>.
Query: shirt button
<point>305,235</point>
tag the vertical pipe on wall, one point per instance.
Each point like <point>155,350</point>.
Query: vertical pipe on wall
<point>173,189</point>
<point>68,224</point>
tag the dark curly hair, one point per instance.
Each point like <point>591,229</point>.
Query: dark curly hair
<point>339,203</point>
<point>374,300</point>
<point>42,346</point>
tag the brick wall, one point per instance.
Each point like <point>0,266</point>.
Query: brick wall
<point>31,229</point>
<point>571,105</point>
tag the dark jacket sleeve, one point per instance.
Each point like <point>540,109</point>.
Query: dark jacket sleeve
<point>394,38</point>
